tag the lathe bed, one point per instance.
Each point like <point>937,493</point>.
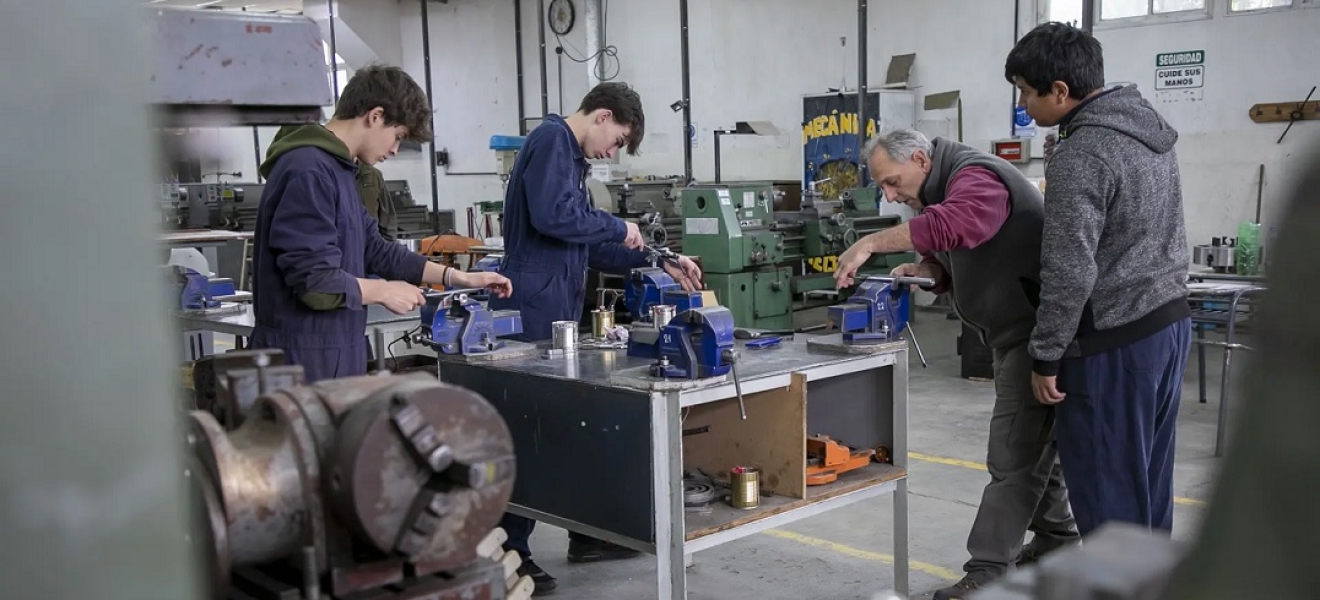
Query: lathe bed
<point>601,448</point>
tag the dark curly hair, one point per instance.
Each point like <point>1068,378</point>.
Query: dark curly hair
<point>1058,52</point>
<point>392,89</point>
<point>625,103</point>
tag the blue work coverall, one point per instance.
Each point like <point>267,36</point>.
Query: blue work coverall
<point>313,240</point>
<point>552,234</point>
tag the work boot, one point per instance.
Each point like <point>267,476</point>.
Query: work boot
<point>959,590</point>
<point>592,550</point>
<point>543,583</point>
<point>1033,552</point>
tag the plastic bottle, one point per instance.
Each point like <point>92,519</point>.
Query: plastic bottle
<point>1247,256</point>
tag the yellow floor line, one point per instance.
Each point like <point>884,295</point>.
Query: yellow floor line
<point>967,464</point>
<point>914,565</point>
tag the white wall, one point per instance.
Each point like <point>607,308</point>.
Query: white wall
<point>754,59</point>
<point>971,61</point>
<point>1250,59</point>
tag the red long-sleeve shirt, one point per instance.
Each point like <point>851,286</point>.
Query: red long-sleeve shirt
<point>975,206</point>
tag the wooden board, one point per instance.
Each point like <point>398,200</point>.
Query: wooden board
<point>773,438</point>
<point>723,517</point>
<point>1281,112</point>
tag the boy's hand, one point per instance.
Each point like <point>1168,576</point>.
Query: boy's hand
<point>496,283</point>
<point>400,297</point>
<point>633,240</point>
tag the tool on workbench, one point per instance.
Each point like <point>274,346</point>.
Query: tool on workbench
<point>649,286</point>
<point>563,340</point>
<point>744,487</point>
<point>827,459</point>
<point>763,343</point>
<point>456,323</point>
<point>602,319</point>
<point>878,312</point>
<point>697,343</point>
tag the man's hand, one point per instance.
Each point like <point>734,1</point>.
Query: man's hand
<point>1046,389</point>
<point>496,283</point>
<point>400,297</point>
<point>686,273</point>
<point>926,269</point>
<point>850,261</point>
<point>633,241</point>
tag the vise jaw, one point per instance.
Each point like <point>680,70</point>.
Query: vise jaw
<point>877,312</point>
<point>697,343</point>
<point>459,324</point>
<point>649,286</point>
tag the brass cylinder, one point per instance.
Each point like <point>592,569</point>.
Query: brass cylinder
<point>744,487</point>
<point>602,321</point>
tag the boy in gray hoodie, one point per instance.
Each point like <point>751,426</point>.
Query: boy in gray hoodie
<point>1113,327</point>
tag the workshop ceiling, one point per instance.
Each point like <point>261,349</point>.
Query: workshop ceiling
<point>273,6</point>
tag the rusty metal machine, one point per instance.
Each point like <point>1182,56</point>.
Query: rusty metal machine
<point>379,487</point>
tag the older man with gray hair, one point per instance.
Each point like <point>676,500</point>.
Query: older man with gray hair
<point>978,230</point>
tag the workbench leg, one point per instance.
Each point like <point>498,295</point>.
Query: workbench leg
<point>899,454</point>
<point>1229,334</point>
<point>1200,359</point>
<point>379,336</point>
<point>667,481</point>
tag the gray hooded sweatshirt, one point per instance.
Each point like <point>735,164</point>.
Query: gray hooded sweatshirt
<point>1114,255</point>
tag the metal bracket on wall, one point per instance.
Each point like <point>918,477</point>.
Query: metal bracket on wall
<point>1278,112</point>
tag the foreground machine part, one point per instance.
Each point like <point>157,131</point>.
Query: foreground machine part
<point>1117,562</point>
<point>352,485</point>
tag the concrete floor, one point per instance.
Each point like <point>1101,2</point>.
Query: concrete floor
<point>847,554</point>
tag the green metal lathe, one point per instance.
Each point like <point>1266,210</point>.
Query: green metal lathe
<point>763,264</point>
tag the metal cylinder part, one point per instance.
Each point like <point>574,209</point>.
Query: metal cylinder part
<point>662,314</point>
<point>601,322</point>
<point>565,335</point>
<point>744,487</point>
<point>411,467</point>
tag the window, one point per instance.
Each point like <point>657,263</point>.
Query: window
<point>1062,11</point>
<point>1240,6</point>
<point>1128,9</point>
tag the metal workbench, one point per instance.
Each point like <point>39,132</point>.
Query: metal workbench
<point>380,324</point>
<point>600,443</point>
<point>1220,301</point>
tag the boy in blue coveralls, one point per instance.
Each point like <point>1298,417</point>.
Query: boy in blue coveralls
<point>552,234</point>
<point>315,242</point>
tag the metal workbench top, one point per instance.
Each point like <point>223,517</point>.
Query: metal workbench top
<point>242,324</point>
<point>615,369</point>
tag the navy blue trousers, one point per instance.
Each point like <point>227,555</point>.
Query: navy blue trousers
<point>1115,430</point>
<point>520,530</point>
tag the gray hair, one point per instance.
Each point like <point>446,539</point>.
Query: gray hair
<point>898,144</point>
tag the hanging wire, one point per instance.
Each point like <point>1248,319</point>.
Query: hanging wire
<point>609,51</point>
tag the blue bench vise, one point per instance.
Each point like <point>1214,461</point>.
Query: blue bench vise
<point>195,290</point>
<point>650,286</point>
<point>459,324</point>
<point>697,343</point>
<point>877,312</point>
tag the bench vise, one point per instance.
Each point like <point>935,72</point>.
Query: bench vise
<point>459,324</point>
<point>196,291</point>
<point>651,286</point>
<point>697,343</point>
<point>877,312</point>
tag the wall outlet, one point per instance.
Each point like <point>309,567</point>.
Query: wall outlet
<point>442,157</point>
